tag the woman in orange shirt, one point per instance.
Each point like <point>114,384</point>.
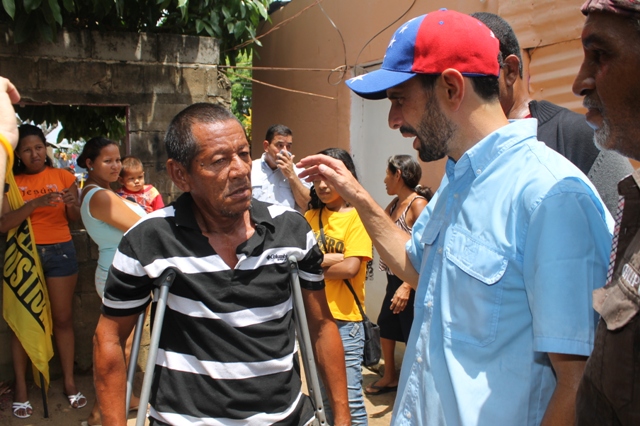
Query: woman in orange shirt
<point>51,201</point>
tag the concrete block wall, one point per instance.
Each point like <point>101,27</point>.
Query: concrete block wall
<point>154,76</point>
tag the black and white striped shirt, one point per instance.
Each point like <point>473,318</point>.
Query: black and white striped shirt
<point>227,353</point>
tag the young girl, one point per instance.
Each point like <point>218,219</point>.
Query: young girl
<point>348,248</point>
<point>51,200</point>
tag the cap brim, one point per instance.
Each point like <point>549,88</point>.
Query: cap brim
<point>374,85</point>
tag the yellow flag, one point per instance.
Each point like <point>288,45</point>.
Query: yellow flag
<point>24,293</point>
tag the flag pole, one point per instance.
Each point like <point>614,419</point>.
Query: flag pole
<point>44,397</point>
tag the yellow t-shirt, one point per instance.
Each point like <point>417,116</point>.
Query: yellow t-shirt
<point>344,233</point>
<point>50,224</point>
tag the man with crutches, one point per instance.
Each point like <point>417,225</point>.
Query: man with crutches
<point>227,352</point>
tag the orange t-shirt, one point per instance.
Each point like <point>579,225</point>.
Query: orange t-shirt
<point>50,224</point>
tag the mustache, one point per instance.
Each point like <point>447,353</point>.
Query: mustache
<point>591,103</point>
<point>406,130</point>
<point>245,184</point>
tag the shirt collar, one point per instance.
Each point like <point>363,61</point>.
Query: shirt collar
<point>184,213</point>
<point>482,154</point>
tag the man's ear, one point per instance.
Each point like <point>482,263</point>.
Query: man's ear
<point>265,145</point>
<point>511,70</point>
<point>454,84</point>
<point>179,175</point>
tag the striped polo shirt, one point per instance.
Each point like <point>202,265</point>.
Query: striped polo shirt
<point>227,352</point>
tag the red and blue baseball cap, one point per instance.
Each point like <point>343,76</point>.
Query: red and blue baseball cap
<point>430,44</point>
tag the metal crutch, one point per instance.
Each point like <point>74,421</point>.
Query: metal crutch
<point>162,284</point>
<point>302,329</point>
<point>133,358</point>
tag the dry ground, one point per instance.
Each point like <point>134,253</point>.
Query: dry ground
<point>61,414</point>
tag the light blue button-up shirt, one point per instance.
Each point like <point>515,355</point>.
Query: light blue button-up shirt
<point>508,254</point>
<point>271,186</point>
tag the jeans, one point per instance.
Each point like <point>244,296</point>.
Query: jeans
<point>352,334</point>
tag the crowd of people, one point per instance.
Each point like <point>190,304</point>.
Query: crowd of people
<point>515,286</point>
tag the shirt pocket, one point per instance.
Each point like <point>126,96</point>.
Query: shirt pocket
<point>473,294</point>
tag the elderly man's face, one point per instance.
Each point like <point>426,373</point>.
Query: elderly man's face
<point>415,112</point>
<point>220,176</point>
<point>609,81</point>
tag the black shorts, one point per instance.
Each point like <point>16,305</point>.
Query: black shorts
<point>395,326</point>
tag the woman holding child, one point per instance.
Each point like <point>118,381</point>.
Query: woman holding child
<point>106,216</point>
<point>50,200</point>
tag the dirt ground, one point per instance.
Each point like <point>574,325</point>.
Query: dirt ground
<point>61,414</point>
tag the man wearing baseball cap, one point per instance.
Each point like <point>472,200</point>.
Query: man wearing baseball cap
<point>505,256</point>
<point>609,393</point>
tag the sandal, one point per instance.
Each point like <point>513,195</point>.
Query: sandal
<point>77,401</point>
<point>26,406</point>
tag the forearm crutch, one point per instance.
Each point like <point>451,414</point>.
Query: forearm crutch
<point>133,358</point>
<point>302,330</point>
<point>162,284</point>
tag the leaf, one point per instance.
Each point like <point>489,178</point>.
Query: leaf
<point>261,9</point>
<point>225,12</point>
<point>9,7</point>
<point>230,27</point>
<point>199,25</point>
<point>31,5</point>
<point>55,10</point>
<point>239,28</point>
<point>182,3</point>
<point>69,5</point>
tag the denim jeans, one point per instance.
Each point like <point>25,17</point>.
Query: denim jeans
<point>352,334</point>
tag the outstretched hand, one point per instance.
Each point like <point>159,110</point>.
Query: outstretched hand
<point>328,169</point>
<point>8,96</point>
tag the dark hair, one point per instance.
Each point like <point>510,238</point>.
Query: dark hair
<point>92,149</point>
<point>130,162</point>
<point>410,172</point>
<point>179,142</point>
<point>338,154</point>
<point>504,33</point>
<point>487,87</point>
<point>29,130</point>
<point>277,129</point>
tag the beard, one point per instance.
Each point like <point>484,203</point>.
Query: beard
<point>434,132</point>
<point>601,136</point>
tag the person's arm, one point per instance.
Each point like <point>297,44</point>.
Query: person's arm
<point>331,259</point>
<point>110,371</point>
<point>329,353</point>
<point>416,208</point>
<point>400,298</point>
<point>561,408</point>
<point>12,218</point>
<point>301,193</point>
<point>71,204</point>
<point>347,269</point>
<point>157,202</point>
<point>8,125</point>
<point>388,239</point>
<point>108,207</point>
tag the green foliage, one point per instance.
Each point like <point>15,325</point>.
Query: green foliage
<point>233,22</point>
<point>78,122</point>
<point>241,90</point>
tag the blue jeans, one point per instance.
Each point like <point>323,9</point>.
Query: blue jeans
<point>352,334</point>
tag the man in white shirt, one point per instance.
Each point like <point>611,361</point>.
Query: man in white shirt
<point>274,178</point>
